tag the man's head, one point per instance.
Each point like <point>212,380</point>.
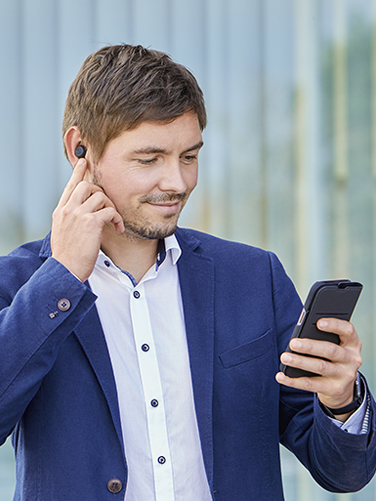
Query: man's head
<point>118,87</point>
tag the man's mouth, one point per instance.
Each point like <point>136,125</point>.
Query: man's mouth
<point>167,203</point>
<point>167,207</point>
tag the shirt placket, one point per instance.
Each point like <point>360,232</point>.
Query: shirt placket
<point>154,402</point>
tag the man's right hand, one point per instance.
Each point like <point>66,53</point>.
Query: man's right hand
<point>78,221</point>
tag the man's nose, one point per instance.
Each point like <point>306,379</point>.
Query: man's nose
<point>172,178</point>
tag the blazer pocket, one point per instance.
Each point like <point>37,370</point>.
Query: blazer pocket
<point>249,351</point>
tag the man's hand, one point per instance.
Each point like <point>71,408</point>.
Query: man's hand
<point>78,221</point>
<point>335,387</point>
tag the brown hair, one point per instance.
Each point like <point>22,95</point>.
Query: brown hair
<point>120,86</point>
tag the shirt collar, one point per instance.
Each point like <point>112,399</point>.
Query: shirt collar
<point>168,244</point>
<point>164,246</point>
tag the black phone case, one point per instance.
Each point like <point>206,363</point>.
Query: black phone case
<point>330,299</point>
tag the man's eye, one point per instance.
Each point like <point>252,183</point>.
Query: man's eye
<point>190,158</point>
<point>147,161</point>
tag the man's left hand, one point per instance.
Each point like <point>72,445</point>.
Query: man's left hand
<point>335,386</point>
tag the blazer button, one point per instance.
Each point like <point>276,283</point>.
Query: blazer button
<point>114,485</point>
<point>64,304</point>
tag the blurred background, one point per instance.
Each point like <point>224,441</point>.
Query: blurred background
<point>289,162</point>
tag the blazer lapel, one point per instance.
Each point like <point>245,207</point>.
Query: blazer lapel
<point>91,337</point>
<point>90,334</point>
<point>196,273</point>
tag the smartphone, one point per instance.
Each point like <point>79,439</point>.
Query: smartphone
<point>329,299</point>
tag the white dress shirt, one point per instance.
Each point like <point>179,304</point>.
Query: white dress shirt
<point>145,333</point>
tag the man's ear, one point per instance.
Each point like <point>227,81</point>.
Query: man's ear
<point>72,139</point>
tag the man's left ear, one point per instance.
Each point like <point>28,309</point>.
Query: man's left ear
<point>73,144</point>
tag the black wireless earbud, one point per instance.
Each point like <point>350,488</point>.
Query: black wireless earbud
<point>80,151</point>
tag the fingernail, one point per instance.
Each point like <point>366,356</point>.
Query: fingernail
<point>279,376</point>
<point>295,344</point>
<point>322,323</point>
<point>286,358</point>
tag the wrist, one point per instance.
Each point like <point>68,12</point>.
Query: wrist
<point>348,409</point>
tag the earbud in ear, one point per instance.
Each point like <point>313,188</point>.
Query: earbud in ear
<point>80,151</point>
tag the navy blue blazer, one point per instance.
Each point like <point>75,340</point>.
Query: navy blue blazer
<point>58,395</point>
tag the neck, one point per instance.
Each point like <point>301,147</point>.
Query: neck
<point>131,254</point>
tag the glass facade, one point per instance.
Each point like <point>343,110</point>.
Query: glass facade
<point>289,162</point>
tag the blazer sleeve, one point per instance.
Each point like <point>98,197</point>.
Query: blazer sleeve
<point>337,460</point>
<point>33,324</point>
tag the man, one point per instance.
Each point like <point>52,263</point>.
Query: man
<point>138,360</point>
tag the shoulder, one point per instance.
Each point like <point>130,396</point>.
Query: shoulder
<point>219,248</point>
<point>240,261</point>
<point>26,253</point>
<point>17,267</point>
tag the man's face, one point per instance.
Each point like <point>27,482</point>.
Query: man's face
<point>149,173</point>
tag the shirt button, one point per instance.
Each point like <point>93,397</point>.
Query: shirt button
<point>114,485</point>
<point>136,294</point>
<point>154,402</point>
<point>64,304</point>
<point>145,347</point>
<point>161,460</point>
<point>107,263</point>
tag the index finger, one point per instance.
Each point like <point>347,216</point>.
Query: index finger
<point>76,177</point>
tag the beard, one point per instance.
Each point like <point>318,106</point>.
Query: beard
<point>148,230</point>
<point>139,226</point>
